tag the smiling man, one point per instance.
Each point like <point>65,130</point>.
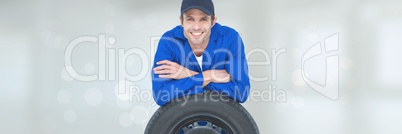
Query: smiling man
<point>199,55</point>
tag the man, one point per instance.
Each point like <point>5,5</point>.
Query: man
<point>199,55</point>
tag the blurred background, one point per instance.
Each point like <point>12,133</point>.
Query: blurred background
<point>39,96</point>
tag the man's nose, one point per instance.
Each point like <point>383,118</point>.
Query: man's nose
<point>197,26</point>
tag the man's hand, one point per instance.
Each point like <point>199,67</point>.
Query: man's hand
<point>217,76</point>
<point>169,69</point>
<point>220,76</point>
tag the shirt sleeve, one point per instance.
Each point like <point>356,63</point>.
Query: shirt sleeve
<point>239,86</point>
<point>164,89</point>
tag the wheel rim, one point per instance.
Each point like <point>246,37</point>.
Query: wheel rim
<point>202,124</point>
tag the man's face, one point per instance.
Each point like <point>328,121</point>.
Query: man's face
<point>197,26</point>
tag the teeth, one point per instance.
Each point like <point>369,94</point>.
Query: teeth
<point>196,34</point>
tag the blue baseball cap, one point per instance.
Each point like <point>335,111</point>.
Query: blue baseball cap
<point>204,5</point>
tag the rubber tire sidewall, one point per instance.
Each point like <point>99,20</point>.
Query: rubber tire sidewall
<point>167,117</point>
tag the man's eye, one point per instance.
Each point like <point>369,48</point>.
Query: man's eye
<point>189,19</point>
<point>204,19</point>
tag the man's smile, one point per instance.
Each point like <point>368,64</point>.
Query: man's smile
<point>196,34</point>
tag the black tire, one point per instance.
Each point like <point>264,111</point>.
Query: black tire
<point>209,113</point>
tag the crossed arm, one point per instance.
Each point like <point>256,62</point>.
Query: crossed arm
<point>169,69</point>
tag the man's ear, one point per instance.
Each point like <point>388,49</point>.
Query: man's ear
<point>181,19</point>
<point>214,21</point>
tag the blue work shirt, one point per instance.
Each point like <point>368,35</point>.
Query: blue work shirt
<point>225,50</point>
